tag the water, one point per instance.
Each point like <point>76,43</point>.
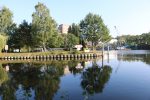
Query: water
<point>124,76</point>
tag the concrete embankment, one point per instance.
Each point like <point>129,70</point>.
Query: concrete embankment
<point>38,56</point>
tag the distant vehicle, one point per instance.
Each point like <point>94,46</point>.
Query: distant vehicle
<point>16,50</point>
<point>121,48</point>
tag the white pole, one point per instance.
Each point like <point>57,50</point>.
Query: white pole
<point>102,53</point>
<point>108,53</point>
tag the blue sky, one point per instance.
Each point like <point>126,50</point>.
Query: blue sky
<point>130,16</point>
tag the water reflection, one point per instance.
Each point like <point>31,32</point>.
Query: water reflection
<point>134,57</point>
<point>3,74</point>
<point>23,79</point>
<point>94,78</point>
<point>37,81</point>
<point>76,67</point>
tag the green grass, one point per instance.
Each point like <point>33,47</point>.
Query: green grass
<point>44,53</point>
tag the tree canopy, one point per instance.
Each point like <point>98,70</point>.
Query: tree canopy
<point>94,28</point>
<point>74,29</point>
<point>3,40</point>
<point>71,40</point>
<point>42,32</point>
<point>43,26</point>
<point>136,41</point>
<point>5,20</point>
<point>20,37</point>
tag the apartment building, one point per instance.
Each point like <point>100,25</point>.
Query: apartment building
<point>63,28</point>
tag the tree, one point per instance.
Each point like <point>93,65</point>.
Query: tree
<point>24,35</point>
<point>3,40</point>
<point>43,26</point>
<point>5,19</point>
<point>136,41</point>
<point>12,36</point>
<point>56,41</point>
<point>94,29</point>
<point>71,40</point>
<point>20,37</point>
<point>74,29</point>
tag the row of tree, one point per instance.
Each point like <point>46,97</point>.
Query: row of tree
<point>136,41</point>
<point>42,32</point>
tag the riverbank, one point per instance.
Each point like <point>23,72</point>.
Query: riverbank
<point>49,55</point>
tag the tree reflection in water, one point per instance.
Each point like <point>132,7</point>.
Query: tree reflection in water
<point>6,87</point>
<point>75,66</point>
<point>3,74</point>
<point>94,78</point>
<point>43,79</point>
<point>135,57</point>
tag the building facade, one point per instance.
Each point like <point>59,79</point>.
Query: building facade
<point>63,28</point>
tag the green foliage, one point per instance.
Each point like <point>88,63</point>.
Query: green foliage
<point>3,40</point>
<point>42,32</point>
<point>43,26</point>
<point>56,41</point>
<point>3,75</point>
<point>136,41</point>
<point>24,34</point>
<point>94,29</point>
<point>145,38</point>
<point>5,19</point>
<point>74,29</point>
<point>13,36</point>
<point>71,40</point>
<point>20,37</point>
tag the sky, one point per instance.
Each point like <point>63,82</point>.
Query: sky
<point>129,16</point>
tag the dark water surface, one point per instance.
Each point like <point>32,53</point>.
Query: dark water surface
<point>124,75</point>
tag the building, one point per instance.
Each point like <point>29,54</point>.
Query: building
<point>63,28</point>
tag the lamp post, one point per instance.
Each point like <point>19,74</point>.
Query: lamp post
<point>103,43</point>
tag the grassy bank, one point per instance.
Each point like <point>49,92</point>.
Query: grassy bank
<point>44,53</point>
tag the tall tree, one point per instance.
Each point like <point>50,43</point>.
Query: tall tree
<point>12,36</point>
<point>56,41</point>
<point>71,40</point>
<point>74,29</point>
<point>43,26</point>
<point>20,37</point>
<point>5,20</point>
<point>2,42</point>
<point>24,35</point>
<point>94,29</point>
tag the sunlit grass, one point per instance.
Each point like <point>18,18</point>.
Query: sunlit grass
<point>44,53</point>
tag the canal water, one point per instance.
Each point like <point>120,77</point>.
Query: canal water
<point>121,75</point>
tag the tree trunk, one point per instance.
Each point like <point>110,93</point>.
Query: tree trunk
<point>93,46</point>
<point>29,49</point>
<point>44,47</point>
